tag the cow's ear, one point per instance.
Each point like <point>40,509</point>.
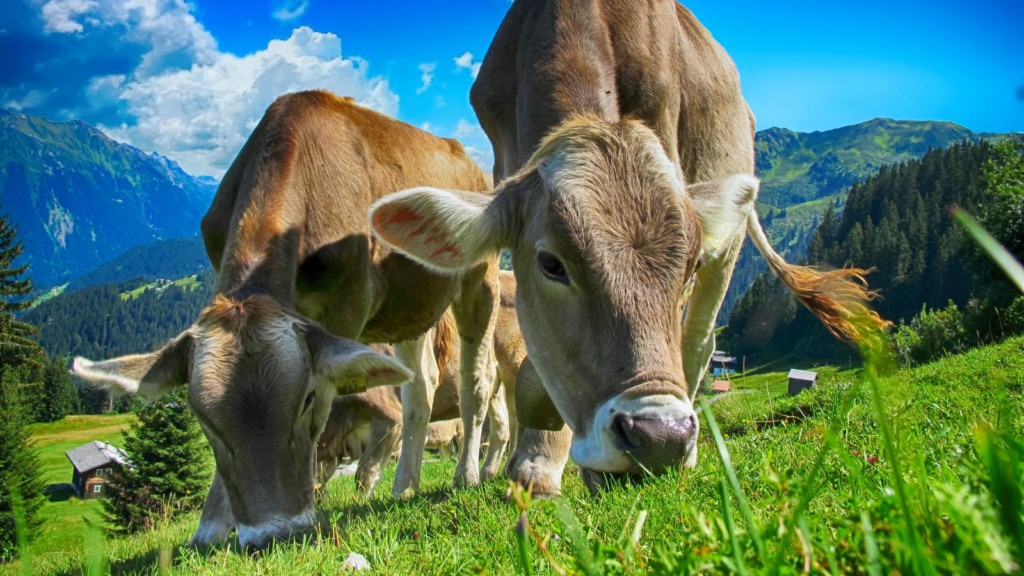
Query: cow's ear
<point>447,231</point>
<point>350,366</point>
<point>148,375</point>
<point>723,207</point>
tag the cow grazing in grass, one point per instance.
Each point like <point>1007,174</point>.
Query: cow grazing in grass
<point>623,155</point>
<point>368,425</point>
<point>300,281</point>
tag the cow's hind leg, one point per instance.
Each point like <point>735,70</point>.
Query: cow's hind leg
<point>476,311</point>
<point>417,400</point>
<point>498,437</point>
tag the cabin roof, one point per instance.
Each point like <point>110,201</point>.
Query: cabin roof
<point>94,455</point>
<point>803,375</point>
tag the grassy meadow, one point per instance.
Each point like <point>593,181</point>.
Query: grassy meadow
<point>917,471</point>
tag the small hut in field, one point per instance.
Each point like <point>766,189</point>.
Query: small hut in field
<point>800,380</point>
<point>721,387</point>
<point>96,465</point>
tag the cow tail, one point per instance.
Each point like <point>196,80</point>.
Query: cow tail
<point>839,298</point>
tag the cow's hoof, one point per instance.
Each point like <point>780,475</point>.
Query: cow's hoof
<point>490,471</point>
<point>466,480</point>
<point>541,483</point>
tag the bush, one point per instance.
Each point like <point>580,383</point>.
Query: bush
<point>931,335</point>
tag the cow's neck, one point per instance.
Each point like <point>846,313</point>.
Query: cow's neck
<point>262,257</point>
<point>579,68</point>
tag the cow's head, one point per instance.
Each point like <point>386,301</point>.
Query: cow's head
<point>606,240</point>
<point>261,381</point>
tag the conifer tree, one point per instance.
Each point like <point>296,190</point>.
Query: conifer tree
<point>170,465</point>
<point>59,396</point>
<point>16,346</point>
<point>20,488</point>
<point>19,468</point>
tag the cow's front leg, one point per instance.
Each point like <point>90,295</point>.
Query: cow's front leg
<point>476,313</point>
<point>699,324</point>
<point>539,459</point>
<point>217,520</point>
<point>417,401</point>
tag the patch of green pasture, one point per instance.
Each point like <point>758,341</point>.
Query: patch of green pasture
<point>916,472</point>
<point>68,523</point>
<point>187,283</point>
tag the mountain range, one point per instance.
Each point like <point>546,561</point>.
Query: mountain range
<point>90,210</point>
<point>80,199</point>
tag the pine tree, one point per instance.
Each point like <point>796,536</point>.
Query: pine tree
<point>19,361</point>
<point>20,487</point>
<point>59,397</point>
<point>169,469</point>
<point>15,342</point>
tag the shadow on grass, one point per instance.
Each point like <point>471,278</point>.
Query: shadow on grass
<point>58,492</point>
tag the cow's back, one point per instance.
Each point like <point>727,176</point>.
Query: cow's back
<point>650,60</point>
<point>296,200</point>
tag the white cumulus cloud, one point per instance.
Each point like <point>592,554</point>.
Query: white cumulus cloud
<point>202,115</point>
<point>289,10</point>
<point>174,37</point>
<point>426,76</point>
<point>464,128</point>
<point>60,15</point>
<point>466,61</point>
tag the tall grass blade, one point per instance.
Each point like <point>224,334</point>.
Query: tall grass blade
<point>522,533</point>
<point>1004,466</point>
<point>734,482</point>
<point>919,558</point>
<point>730,525</point>
<point>582,553</point>
<point>1001,256</point>
<point>874,566</point>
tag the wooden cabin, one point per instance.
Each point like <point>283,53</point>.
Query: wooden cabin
<point>96,466</point>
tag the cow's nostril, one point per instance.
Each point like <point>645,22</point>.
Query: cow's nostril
<point>624,429</point>
<point>654,443</point>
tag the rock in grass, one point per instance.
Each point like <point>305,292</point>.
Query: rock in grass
<point>355,562</point>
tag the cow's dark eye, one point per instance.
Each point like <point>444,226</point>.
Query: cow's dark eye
<point>308,402</point>
<point>552,267</point>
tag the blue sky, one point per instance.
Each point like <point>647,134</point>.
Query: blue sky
<point>191,79</point>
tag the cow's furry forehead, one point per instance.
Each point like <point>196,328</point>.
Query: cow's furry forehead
<point>621,199</point>
<point>252,340</point>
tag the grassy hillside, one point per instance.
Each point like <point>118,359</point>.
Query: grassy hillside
<point>66,520</point>
<point>798,167</point>
<point>916,472</point>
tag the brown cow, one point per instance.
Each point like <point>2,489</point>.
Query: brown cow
<point>624,151</point>
<point>288,234</point>
<point>372,419</point>
<point>368,425</point>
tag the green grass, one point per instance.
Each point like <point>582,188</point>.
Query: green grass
<point>66,520</point>
<point>919,471</point>
<point>49,294</point>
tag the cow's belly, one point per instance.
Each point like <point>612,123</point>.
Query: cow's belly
<point>413,302</point>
